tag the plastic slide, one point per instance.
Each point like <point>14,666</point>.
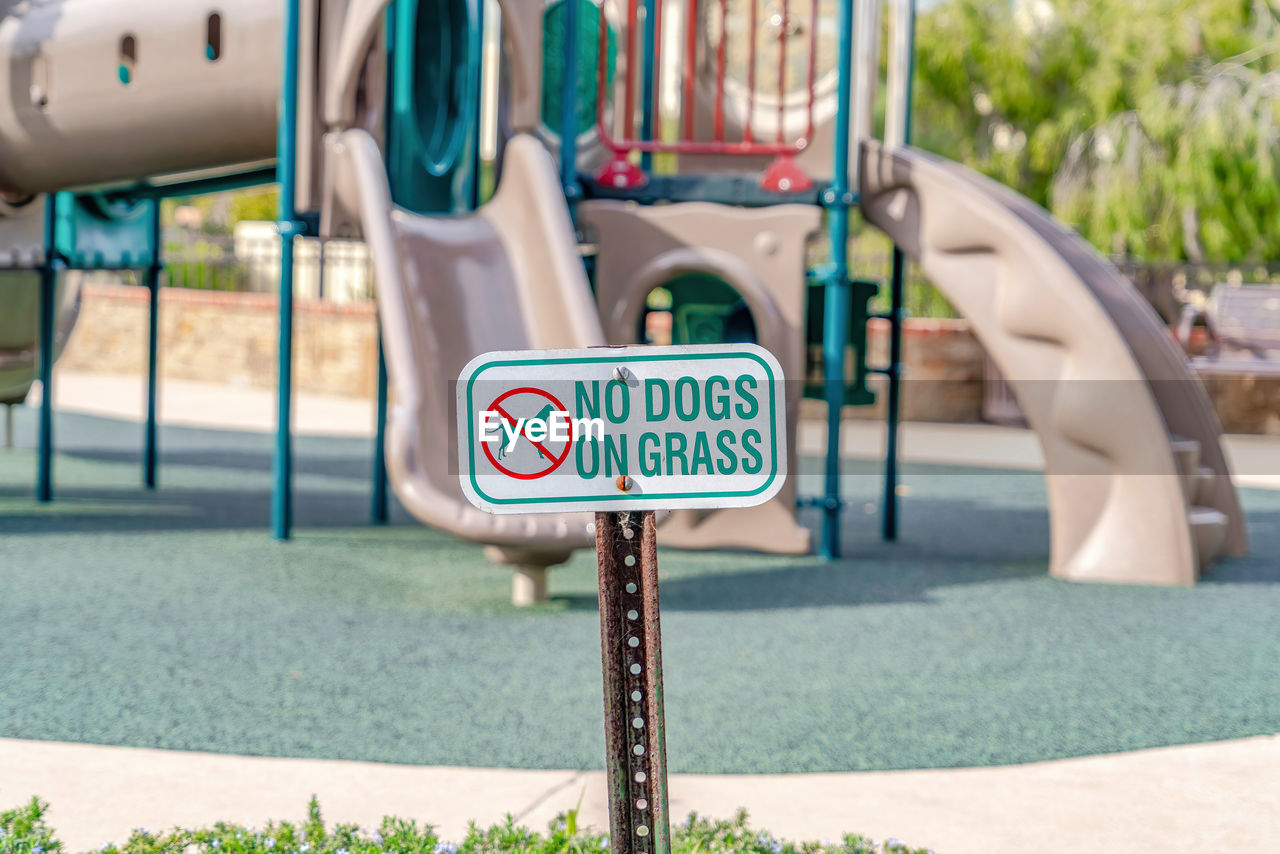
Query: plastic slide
<point>507,277</point>
<point>1139,489</point>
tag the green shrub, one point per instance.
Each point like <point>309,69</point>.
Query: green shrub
<point>24,831</point>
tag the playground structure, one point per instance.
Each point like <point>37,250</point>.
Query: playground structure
<point>367,114</point>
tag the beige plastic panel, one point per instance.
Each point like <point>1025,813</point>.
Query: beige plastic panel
<point>507,277</point>
<point>20,328</point>
<point>67,121</point>
<point>522,45</point>
<point>362,21</point>
<point>761,253</point>
<point>1096,372</point>
<point>22,234</point>
<point>341,82</point>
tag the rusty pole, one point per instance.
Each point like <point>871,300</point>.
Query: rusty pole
<point>631,648</point>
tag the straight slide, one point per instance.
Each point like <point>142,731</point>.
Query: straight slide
<point>506,277</point>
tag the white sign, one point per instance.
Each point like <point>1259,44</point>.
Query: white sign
<point>621,428</point>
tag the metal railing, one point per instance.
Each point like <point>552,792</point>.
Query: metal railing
<point>249,262</point>
<point>706,48</point>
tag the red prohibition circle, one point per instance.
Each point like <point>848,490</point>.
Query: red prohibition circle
<point>555,461</point>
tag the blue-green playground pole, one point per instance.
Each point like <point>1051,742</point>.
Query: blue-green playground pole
<point>378,498</point>
<point>378,506</point>
<point>646,88</point>
<point>48,324</point>
<point>286,139</point>
<point>154,270</point>
<point>473,196</point>
<point>889,515</point>
<point>835,332</point>
<point>569,104</point>
<point>282,494</point>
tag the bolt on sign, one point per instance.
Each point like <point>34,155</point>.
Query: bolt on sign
<point>624,431</point>
<point>621,428</point>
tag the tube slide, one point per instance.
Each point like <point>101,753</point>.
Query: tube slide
<point>1139,489</point>
<point>114,93</point>
<point>507,277</point>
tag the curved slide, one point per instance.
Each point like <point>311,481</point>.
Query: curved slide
<point>507,277</point>
<point>1139,489</point>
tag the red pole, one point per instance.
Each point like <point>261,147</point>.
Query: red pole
<point>813,62</point>
<point>629,104</point>
<point>748,135</point>
<point>724,21</point>
<point>657,68</point>
<point>690,60</point>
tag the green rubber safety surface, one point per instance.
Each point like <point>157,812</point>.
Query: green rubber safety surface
<point>173,620</point>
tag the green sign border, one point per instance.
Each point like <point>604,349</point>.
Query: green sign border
<point>605,360</point>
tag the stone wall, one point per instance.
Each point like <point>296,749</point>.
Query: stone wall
<point>942,375</point>
<point>1246,404</point>
<point>231,338</point>
<point>226,338</point>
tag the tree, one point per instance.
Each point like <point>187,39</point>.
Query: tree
<point>1206,154</point>
<point>1147,124</point>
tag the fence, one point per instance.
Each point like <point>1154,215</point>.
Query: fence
<point>1170,286</point>
<point>249,261</point>
<point>1166,286</point>
<point>341,271</point>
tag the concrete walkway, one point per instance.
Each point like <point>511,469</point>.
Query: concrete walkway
<point>1254,459</point>
<point>196,404</point>
<point>1180,800</point>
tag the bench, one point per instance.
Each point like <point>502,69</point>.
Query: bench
<point>1243,325</point>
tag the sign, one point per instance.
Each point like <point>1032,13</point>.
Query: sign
<point>621,428</point>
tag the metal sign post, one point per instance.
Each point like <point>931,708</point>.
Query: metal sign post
<point>631,647</point>
<point>633,430</point>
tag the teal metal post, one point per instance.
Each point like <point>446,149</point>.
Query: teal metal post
<point>286,141</point>
<point>378,507</point>
<point>650,62</point>
<point>476,164</point>
<point>889,518</point>
<point>48,326</point>
<point>154,270</point>
<point>378,500</point>
<point>569,103</point>
<point>200,186</point>
<point>835,333</point>
<point>889,515</point>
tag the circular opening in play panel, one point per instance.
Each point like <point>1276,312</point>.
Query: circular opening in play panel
<point>442,74</point>
<point>696,308</point>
